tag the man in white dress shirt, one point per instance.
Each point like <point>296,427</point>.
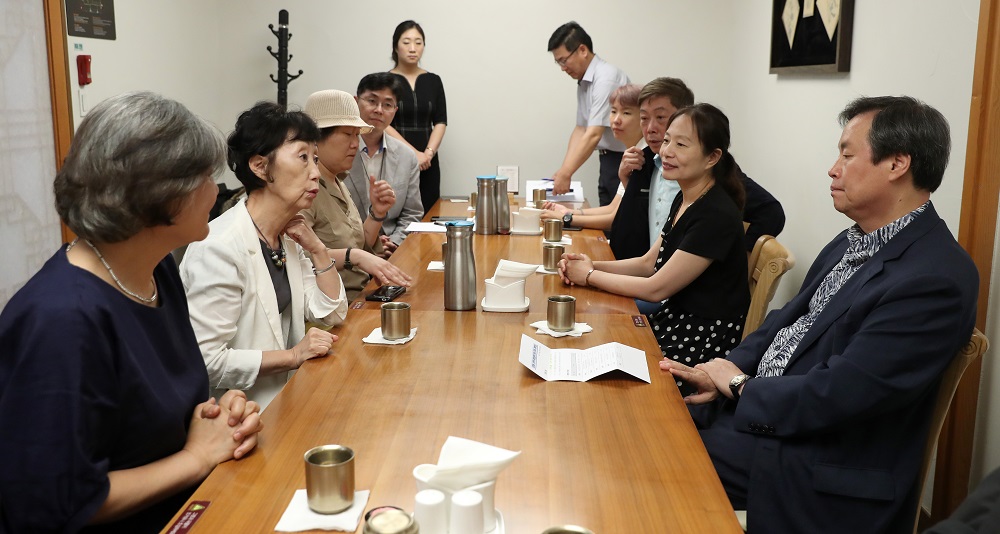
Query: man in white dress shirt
<point>573,50</point>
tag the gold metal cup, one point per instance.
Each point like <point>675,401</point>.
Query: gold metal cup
<point>329,478</point>
<point>538,198</point>
<point>551,254</point>
<point>395,320</point>
<point>561,313</point>
<point>553,229</point>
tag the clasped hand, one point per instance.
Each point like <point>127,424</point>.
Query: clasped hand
<point>711,378</point>
<point>573,268</point>
<point>223,430</point>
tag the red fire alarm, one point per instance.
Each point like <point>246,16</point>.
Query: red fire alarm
<point>83,69</point>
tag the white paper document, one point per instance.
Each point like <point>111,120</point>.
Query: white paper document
<point>575,195</point>
<point>580,365</point>
<point>417,226</point>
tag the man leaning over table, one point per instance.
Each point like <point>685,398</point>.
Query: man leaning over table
<point>573,51</point>
<point>386,158</point>
<point>817,422</point>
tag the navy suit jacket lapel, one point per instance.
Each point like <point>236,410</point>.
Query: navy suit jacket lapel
<point>847,294</point>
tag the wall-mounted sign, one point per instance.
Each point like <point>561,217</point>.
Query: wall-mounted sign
<point>91,18</point>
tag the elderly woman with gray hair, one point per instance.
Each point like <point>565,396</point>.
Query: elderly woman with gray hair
<point>105,420</point>
<point>250,284</point>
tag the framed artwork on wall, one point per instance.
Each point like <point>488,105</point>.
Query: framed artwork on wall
<point>811,36</point>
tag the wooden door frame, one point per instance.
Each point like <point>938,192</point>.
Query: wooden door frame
<point>977,229</point>
<point>981,189</point>
<point>59,87</point>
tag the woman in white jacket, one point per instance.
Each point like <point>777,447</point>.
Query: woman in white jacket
<point>250,285</point>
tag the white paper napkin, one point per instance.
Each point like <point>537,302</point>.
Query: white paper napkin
<point>578,330</point>
<point>514,270</point>
<point>465,463</point>
<point>299,517</point>
<point>435,266</point>
<point>541,270</point>
<point>376,337</point>
<point>566,240</point>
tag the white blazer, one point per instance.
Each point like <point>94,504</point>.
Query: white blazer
<point>234,309</point>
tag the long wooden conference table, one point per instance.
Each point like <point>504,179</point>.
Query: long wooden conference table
<point>615,455</point>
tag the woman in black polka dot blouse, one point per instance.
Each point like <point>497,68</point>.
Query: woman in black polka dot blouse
<point>697,269</point>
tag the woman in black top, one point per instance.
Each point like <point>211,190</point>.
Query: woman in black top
<point>423,113</point>
<point>697,269</point>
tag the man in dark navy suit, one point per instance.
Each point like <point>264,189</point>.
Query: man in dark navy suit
<point>817,422</point>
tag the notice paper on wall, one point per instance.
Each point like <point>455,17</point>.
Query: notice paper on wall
<point>580,365</point>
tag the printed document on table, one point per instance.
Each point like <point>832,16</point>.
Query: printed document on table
<point>575,194</point>
<point>580,365</point>
<point>416,226</point>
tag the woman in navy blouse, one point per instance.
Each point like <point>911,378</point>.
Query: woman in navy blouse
<point>423,113</point>
<point>106,424</point>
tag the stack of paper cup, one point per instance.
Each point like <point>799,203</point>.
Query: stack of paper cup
<point>431,512</point>
<point>466,513</point>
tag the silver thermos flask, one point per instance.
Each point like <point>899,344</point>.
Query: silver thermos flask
<point>503,206</point>
<point>486,205</point>
<point>459,267</point>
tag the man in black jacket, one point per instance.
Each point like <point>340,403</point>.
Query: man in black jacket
<point>645,205</point>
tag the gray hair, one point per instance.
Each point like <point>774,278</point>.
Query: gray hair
<point>133,161</point>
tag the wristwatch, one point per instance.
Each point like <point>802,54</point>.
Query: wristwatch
<point>347,259</point>
<point>735,383</point>
<point>568,219</point>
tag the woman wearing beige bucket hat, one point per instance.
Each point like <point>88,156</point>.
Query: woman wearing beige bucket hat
<point>353,236</point>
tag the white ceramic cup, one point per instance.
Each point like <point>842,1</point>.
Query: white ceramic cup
<point>466,513</point>
<point>422,474</point>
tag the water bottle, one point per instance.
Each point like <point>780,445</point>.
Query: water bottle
<point>486,205</point>
<point>503,206</point>
<point>459,267</point>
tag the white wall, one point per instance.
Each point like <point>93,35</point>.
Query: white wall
<point>29,227</point>
<point>168,47</point>
<point>509,104</point>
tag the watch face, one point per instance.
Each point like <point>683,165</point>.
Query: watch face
<point>568,218</point>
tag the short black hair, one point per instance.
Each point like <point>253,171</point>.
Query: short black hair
<point>377,81</point>
<point>260,131</point>
<point>571,35</point>
<point>905,125</point>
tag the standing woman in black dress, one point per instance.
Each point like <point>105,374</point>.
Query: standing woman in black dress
<point>423,114</point>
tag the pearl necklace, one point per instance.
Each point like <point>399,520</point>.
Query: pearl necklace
<point>127,291</point>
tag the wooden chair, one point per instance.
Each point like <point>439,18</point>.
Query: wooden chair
<point>768,262</point>
<point>975,348</point>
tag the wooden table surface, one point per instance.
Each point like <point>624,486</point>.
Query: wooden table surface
<point>614,454</point>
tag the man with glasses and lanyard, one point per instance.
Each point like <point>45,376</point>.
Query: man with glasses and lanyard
<point>573,51</point>
<point>385,158</point>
